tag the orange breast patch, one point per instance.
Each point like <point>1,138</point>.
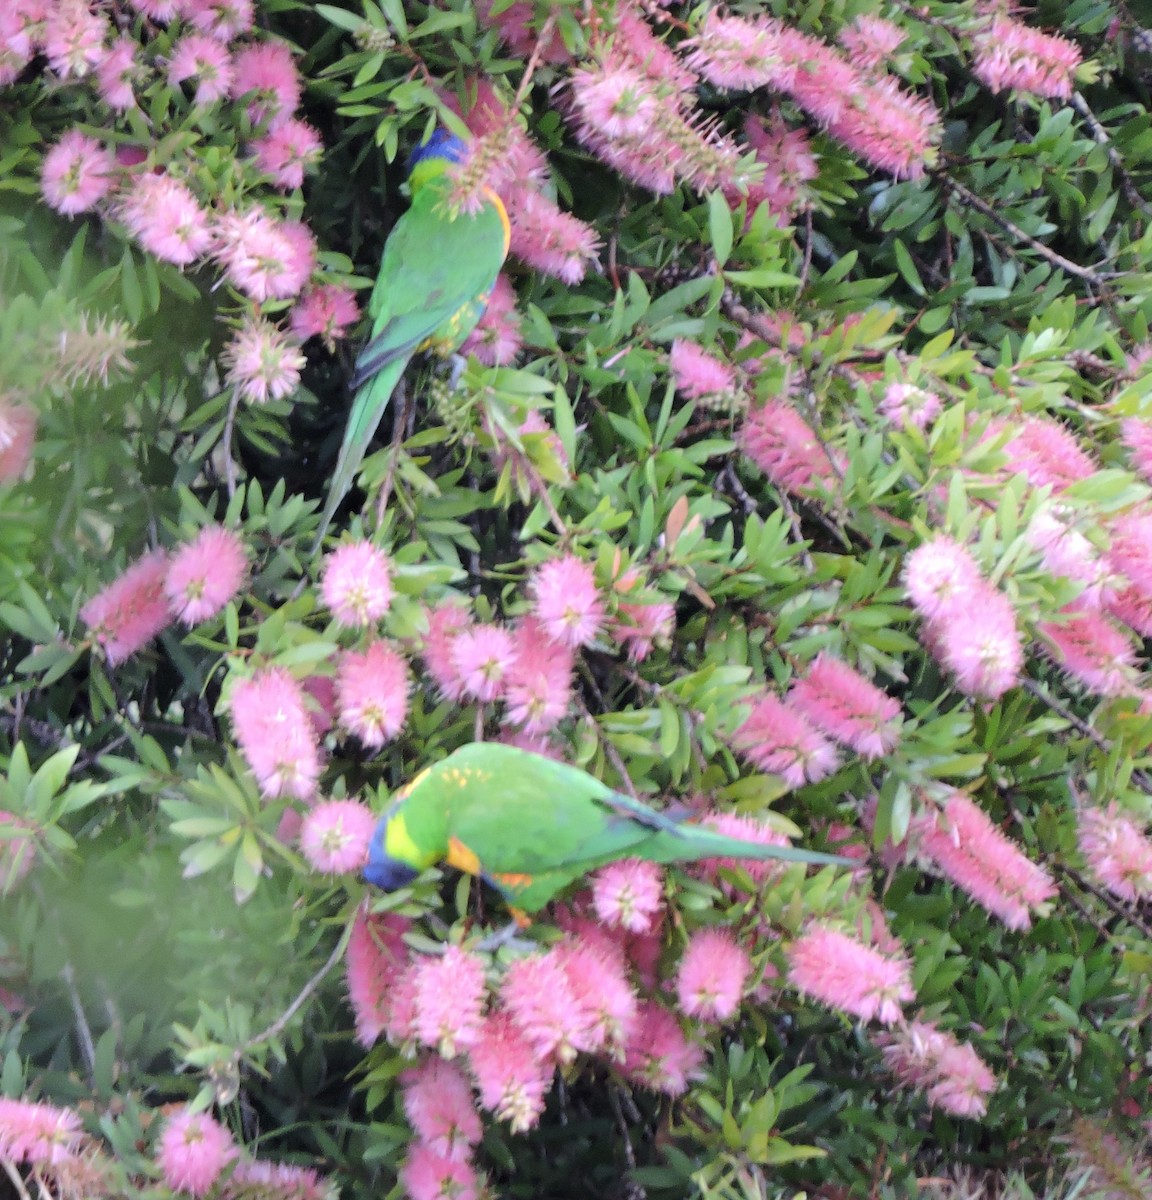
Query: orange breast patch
<point>461,857</point>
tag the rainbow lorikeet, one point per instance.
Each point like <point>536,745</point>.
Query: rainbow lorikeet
<point>531,826</point>
<point>438,271</point>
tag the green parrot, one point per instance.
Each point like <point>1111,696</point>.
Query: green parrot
<point>435,279</point>
<point>531,826</point>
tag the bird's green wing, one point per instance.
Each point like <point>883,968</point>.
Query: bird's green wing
<point>435,277</point>
<point>522,813</point>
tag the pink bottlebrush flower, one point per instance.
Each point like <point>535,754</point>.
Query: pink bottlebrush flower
<point>870,40</point>
<point>777,738</point>
<point>553,242</point>
<point>40,1135</point>
<point>519,29</point>
<point>21,26</point>
<point>597,976</point>
<point>648,625</point>
<point>376,958</point>
<point>262,363</point>
<point>287,151</point>
<point>269,70</point>
<point>659,1056</point>
<point>73,37</point>
<point>615,99</point>
<point>445,623</point>
<point>698,374</point>
<point>450,992</point>
<point>17,437</point>
<point>194,1148</point>
<point>538,684</point>
<point>907,404</point>
<point>511,1077</point>
<point>117,72</point>
<point>981,646</point>
<point>158,10</point>
<point>537,442</point>
<point>969,850</point>
<point>335,835</point>
<point>1132,606</point>
<point>438,1105</point>
<point>1067,552</point>
<point>327,311</point>
<point>747,829</point>
<point>372,691</point>
<point>1048,453</point>
<point>566,601</point>
<point>275,733</point>
<point>522,161</point>
<point>537,995</point>
<point>642,621</point>
<point>222,19</point>
<point>963,1082</point>
<point>843,973</point>
<point>789,163</point>
<point>482,656</point>
<point>203,58</point>
<point>941,578</point>
<point>711,975</point>
<point>950,1073</point>
<point>891,129</point>
<point>205,574</point>
<point>634,39</point>
<point>1117,850</point>
<point>132,610</point>
<point>738,53</point>
<point>644,952</point>
<point>781,444</point>
<point>357,583</point>
<point>844,705</point>
<point>263,258</point>
<point>258,1179</point>
<point>77,174</point>
<point>629,894</point>
<point>1087,645</point>
<point>817,77</point>
<point>1130,553</point>
<point>166,219</point>
<point>1136,434</point>
<point>321,691</point>
<point>429,1175</point>
<point>17,850</point>
<point>1009,54</point>
<point>497,339</point>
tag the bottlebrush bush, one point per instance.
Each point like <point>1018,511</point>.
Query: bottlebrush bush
<point>797,479</point>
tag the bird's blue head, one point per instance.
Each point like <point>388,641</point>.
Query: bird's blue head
<point>441,145</point>
<point>384,871</point>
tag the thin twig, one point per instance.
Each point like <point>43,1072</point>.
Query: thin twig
<point>1057,260</point>
<point>533,62</point>
<point>14,1176</point>
<point>1030,685</point>
<point>277,1027</point>
<point>1102,138</point>
<point>83,1030</point>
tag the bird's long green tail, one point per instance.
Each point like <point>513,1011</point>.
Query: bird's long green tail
<point>368,409</point>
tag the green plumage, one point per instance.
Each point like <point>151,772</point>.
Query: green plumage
<point>534,826</point>
<point>435,279</point>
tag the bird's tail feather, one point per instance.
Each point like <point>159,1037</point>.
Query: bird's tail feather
<point>690,843</point>
<point>368,409</point>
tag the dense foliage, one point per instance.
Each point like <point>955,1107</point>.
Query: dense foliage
<point>796,479</point>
